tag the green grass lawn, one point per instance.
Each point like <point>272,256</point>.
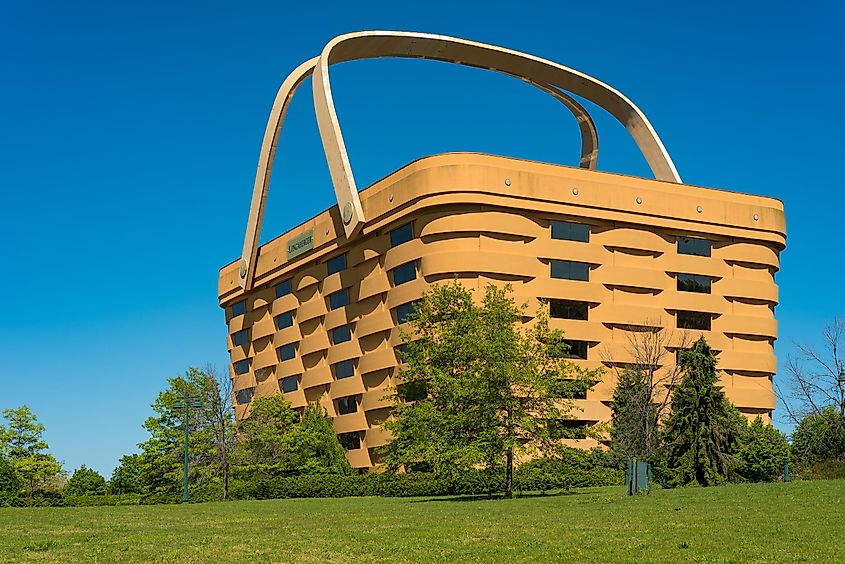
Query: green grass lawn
<point>796,522</point>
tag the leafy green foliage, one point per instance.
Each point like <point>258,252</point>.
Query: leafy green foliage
<point>21,441</point>
<point>819,437</point>
<point>491,389</point>
<point>575,469</point>
<point>127,477</point>
<point>85,481</point>
<point>760,452</point>
<point>275,441</point>
<point>633,411</point>
<point>10,483</point>
<point>161,455</point>
<point>703,426</point>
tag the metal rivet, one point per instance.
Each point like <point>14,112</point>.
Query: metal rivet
<point>575,191</point>
<point>639,200</point>
<point>347,213</point>
<point>699,209</point>
<point>507,181</point>
<point>756,217</point>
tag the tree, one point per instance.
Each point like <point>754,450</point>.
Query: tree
<point>275,440</point>
<point>760,452</point>
<point>21,441</point>
<point>633,411</point>
<point>217,401</point>
<point>819,437</point>
<point>85,481</point>
<point>703,426</point>
<point>642,398</point>
<point>127,477</point>
<point>211,437</point>
<point>10,482</point>
<point>812,384</point>
<point>491,389</point>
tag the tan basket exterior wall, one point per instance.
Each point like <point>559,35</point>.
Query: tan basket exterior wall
<point>487,219</point>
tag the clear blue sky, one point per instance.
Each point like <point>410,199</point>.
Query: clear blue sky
<point>129,134</point>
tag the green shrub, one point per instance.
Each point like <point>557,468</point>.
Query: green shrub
<point>576,469</point>
<point>101,500</point>
<point>827,470</point>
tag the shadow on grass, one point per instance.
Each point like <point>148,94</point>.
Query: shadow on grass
<point>499,496</point>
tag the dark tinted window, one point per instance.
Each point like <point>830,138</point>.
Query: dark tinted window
<point>240,338</point>
<point>283,289</point>
<point>570,231</point>
<point>570,270</point>
<point>244,396</point>
<point>693,246</point>
<point>287,352</point>
<point>284,320</point>
<point>341,334</point>
<point>576,349</point>
<point>336,264</point>
<point>567,429</point>
<point>344,369</point>
<point>404,273</point>
<point>241,367</point>
<point>350,441</point>
<point>401,235</point>
<point>412,391</point>
<point>693,283</point>
<point>404,311</point>
<point>339,299</point>
<point>347,405</point>
<point>289,384</point>
<point>238,308</point>
<point>693,320</point>
<point>568,309</point>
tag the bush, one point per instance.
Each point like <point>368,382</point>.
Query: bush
<point>760,453</point>
<point>101,500</point>
<point>576,469</point>
<point>819,437</point>
<point>828,470</point>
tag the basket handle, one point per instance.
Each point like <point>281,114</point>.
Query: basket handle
<point>588,160</point>
<point>544,74</point>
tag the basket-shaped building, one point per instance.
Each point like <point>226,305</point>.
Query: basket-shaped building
<point>317,312</point>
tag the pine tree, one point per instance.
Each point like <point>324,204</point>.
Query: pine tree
<point>702,427</point>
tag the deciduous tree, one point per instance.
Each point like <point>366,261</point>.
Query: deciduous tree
<point>22,442</point>
<point>491,388</point>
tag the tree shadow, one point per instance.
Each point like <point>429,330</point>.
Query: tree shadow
<point>499,496</point>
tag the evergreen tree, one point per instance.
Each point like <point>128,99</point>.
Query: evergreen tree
<point>21,441</point>
<point>127,477</point>
<point>702,427</point>
<point>491,390</point>
<point>85,481</point>
<point>633,413</point>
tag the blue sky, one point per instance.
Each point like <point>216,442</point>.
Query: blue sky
<point>129,135</point>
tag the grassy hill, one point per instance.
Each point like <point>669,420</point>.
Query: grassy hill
<point>795,522</point>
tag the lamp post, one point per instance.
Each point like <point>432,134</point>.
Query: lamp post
<point>186,402</point>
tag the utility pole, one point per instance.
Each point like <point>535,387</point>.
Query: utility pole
<point>186,402</point>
